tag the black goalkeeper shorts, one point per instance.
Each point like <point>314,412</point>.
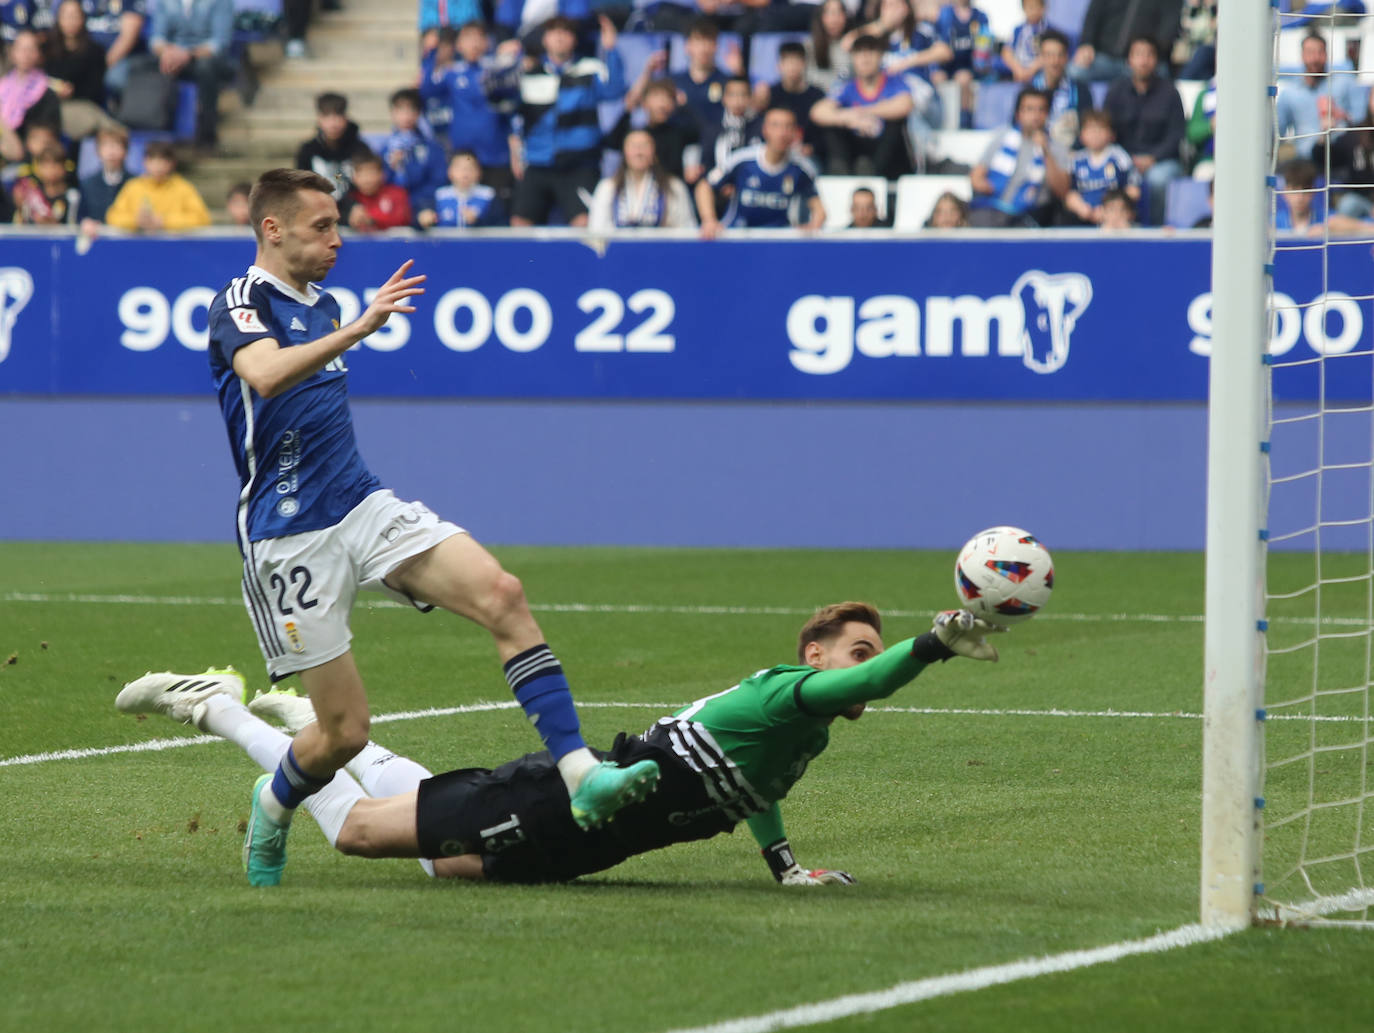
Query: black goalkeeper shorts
<point>519,820</point>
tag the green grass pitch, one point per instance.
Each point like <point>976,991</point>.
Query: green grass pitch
<point>978,838</point>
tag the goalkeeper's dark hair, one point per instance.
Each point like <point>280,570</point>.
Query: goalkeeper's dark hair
<point>827,622</point>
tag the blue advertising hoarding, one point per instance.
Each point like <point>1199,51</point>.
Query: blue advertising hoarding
<point>1025,319</point>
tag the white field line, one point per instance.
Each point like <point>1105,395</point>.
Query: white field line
<point>157,745</point>
<point>652,608</point>
<point>960,982</point>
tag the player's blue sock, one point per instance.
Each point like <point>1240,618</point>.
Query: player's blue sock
<point>292,784</point>
<point>541,688</point>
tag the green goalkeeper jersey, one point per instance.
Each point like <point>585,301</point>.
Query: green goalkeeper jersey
<point>761,734</point>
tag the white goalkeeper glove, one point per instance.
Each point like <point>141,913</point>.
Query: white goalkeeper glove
<point>961,632</point>
<point>786,870</point>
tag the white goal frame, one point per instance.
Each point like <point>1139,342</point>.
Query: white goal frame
<point>1236,470</point>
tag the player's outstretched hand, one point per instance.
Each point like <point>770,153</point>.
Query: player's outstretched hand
<point>817,877</point>
<point>392,296</point>
<point>964,633</point>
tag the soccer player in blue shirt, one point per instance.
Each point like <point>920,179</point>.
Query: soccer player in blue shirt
<point>865,117</point>
<point>768,187</point>
<point>315,525</point>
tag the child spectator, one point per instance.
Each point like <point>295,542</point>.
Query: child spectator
<point>733,130</point>
<point>701,88</point>
<point>559,98</point>
<point>965,29</point>
<point>99,189</point>
<point>330,151</point>
<point>414,162</point>
<point>47,196</point>
<point>677,138</point>
<point>950,213</point>
<point>1100,168</point>
<point>828,57</point>
<point>1021,171</point>
<point>236,207</point>
<point>1069,101</point>
<point>373,203</point>
<point>1021,54</point>
<point>640,194</point>
<point>1148,119</point>
<point>465,203</point>
<point>25,97</point>
<point>436,57</point>
<point>1294,213</point>
<point>38,136</point>
<point>863,210</point>
<point>767,187</point>
<point>159,199</point>
<point>1118,211</point>
<point>865,118</point>
<point>461,85</point>
<point>75,65</point>
<point>793,92</point>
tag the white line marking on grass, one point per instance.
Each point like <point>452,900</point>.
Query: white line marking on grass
<point>652,608</point>
<point>156,745</point>
<point>960,982</point>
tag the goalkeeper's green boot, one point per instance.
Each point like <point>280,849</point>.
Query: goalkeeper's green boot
<point>608,787</point>
<point>264,844</point>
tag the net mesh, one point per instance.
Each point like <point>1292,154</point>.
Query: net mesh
<point>1318,846</point>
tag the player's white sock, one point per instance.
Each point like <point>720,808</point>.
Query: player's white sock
<point>383,773</point>
<point>330,806</point>
<point>230,719</point>
<point>574,766</point>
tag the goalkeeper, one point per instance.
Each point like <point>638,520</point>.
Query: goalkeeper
<point>727,758</point>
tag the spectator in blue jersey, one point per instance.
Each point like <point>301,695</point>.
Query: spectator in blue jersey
<point>1109,26</point>
<point>560,163</point>
<point>1318,100</point>
<point>465,203</point>
<point>736,127</point>
<point>461,88</point>
<point>1101,167</point>
<point>527,19</point>
<point>793,92</point>
<point>414,160</point>
<point>436,55</point>
<point>701,86</point>
<point>1069,100</point>
<point>316,526</point>
<point>965,30</point>
<point>1147,116</point>
<point>100,188</point>
<point>439,15</point>
<point>192,41</point>
<point>641,194</point>
<point>1021,53</point>
<point>864,118</point>
<point>767,187</point>
<point>1296,212</point>
<point>1022,171</point>
<point>914,50</point>
<point>329,153</point>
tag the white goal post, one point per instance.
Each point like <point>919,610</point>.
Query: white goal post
<point>1234,646</point>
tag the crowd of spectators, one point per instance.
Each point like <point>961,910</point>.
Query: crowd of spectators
<point>522,113</point>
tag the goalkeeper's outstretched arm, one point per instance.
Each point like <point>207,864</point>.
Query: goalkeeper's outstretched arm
<point>767,830</point>
<point>955,633</point>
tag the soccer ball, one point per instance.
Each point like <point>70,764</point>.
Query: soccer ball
<point>1004,575</point>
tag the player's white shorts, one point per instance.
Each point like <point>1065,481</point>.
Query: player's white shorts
<point>300,589</point>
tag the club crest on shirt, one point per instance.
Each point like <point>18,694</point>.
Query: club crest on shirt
<point>246,319</point>
<point>714,92</point>
<point>786,184</point>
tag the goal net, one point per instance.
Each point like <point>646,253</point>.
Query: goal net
<point>1315,803</point>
